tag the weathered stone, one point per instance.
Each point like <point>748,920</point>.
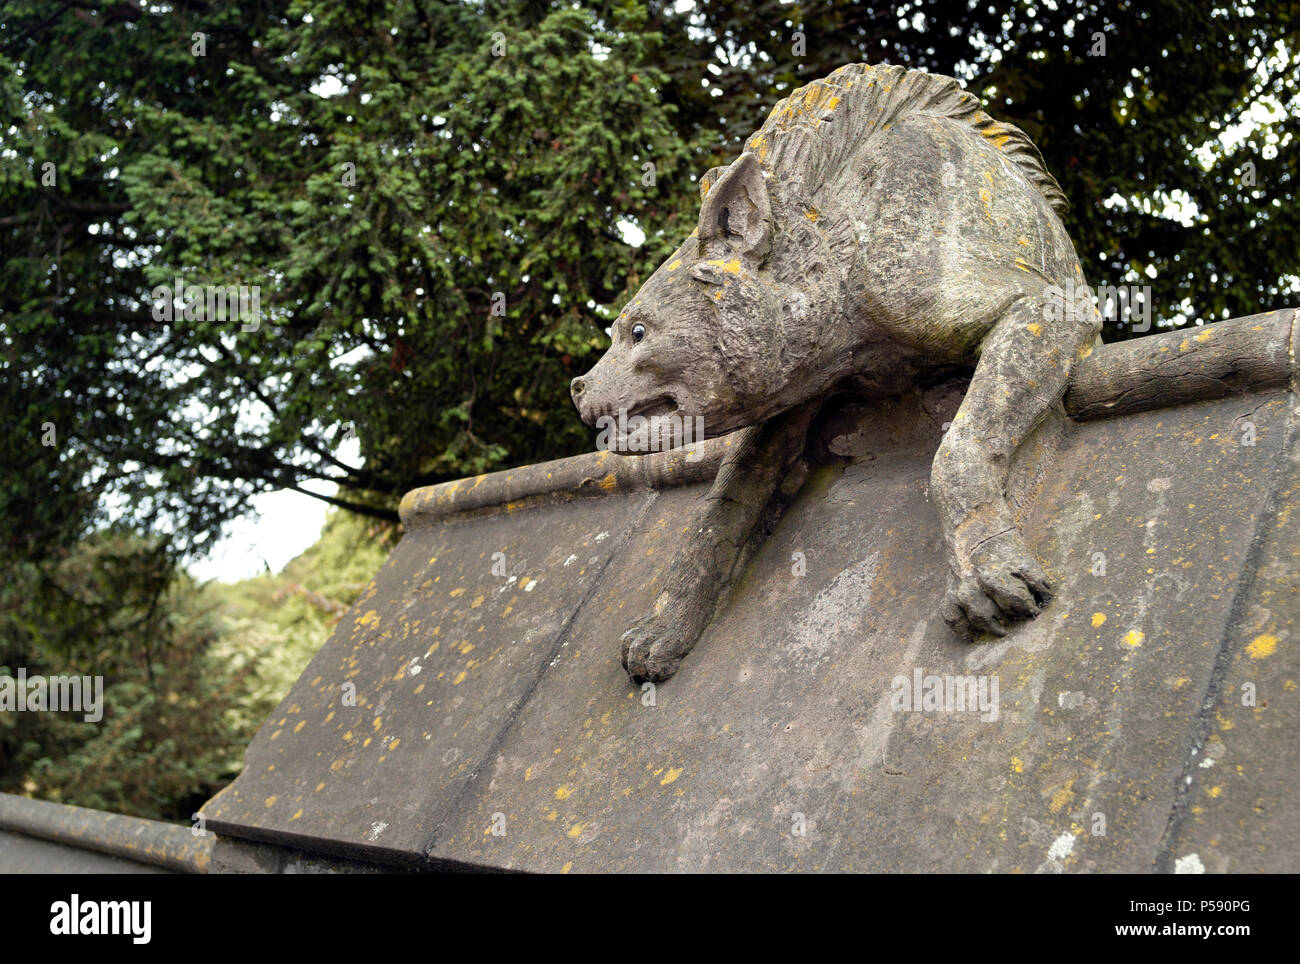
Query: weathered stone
<point>879,230</point>
<point>877,277</point>
<point>440,650</point>
<point>20,854</point>
<point>1104,702</point>
<point>234,856</point>
<point>1238,809</point>
<point>1186,365</point>
<point>787,710</point>
<point>38,836</point>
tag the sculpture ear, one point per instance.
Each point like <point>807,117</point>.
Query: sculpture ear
<point>736,208</point>
<point>710,178</point>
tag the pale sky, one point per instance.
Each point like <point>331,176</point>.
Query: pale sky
<point>278,526</point>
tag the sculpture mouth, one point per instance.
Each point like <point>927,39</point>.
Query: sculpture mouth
<point>663,405</point>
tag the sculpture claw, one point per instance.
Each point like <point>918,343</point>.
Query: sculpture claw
<point>1005,584</point>
<point>653,648</point>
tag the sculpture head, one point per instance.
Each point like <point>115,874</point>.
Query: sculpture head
<point>723,327</point>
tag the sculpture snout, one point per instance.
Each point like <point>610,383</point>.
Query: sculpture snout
<point>582,400</point>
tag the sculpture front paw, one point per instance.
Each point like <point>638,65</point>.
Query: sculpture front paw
<point>1003,583</point>
<point>653,647</point>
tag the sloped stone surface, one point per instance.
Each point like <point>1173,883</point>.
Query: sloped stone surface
<point>1169,543</point>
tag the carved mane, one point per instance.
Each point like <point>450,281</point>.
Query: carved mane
<point>812,134</point>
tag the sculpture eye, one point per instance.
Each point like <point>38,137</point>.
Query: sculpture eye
<point>638,332</point>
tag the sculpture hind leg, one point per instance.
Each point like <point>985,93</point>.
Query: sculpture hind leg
<point>1023,371</point>
<point>759,461</point>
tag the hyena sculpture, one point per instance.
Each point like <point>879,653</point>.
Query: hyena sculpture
<point>877,229</point>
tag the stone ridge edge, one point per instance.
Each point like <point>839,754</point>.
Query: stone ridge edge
<point>589,474</point>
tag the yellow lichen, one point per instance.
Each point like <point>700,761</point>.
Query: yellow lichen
<point>1262,646</point>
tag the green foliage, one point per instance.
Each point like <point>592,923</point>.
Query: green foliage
<point>189,676</point>
<point>274,624</point>
<point>379,219</point>
<point>170,734</point>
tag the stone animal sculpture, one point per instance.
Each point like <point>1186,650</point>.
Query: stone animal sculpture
<point>878,230</point>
